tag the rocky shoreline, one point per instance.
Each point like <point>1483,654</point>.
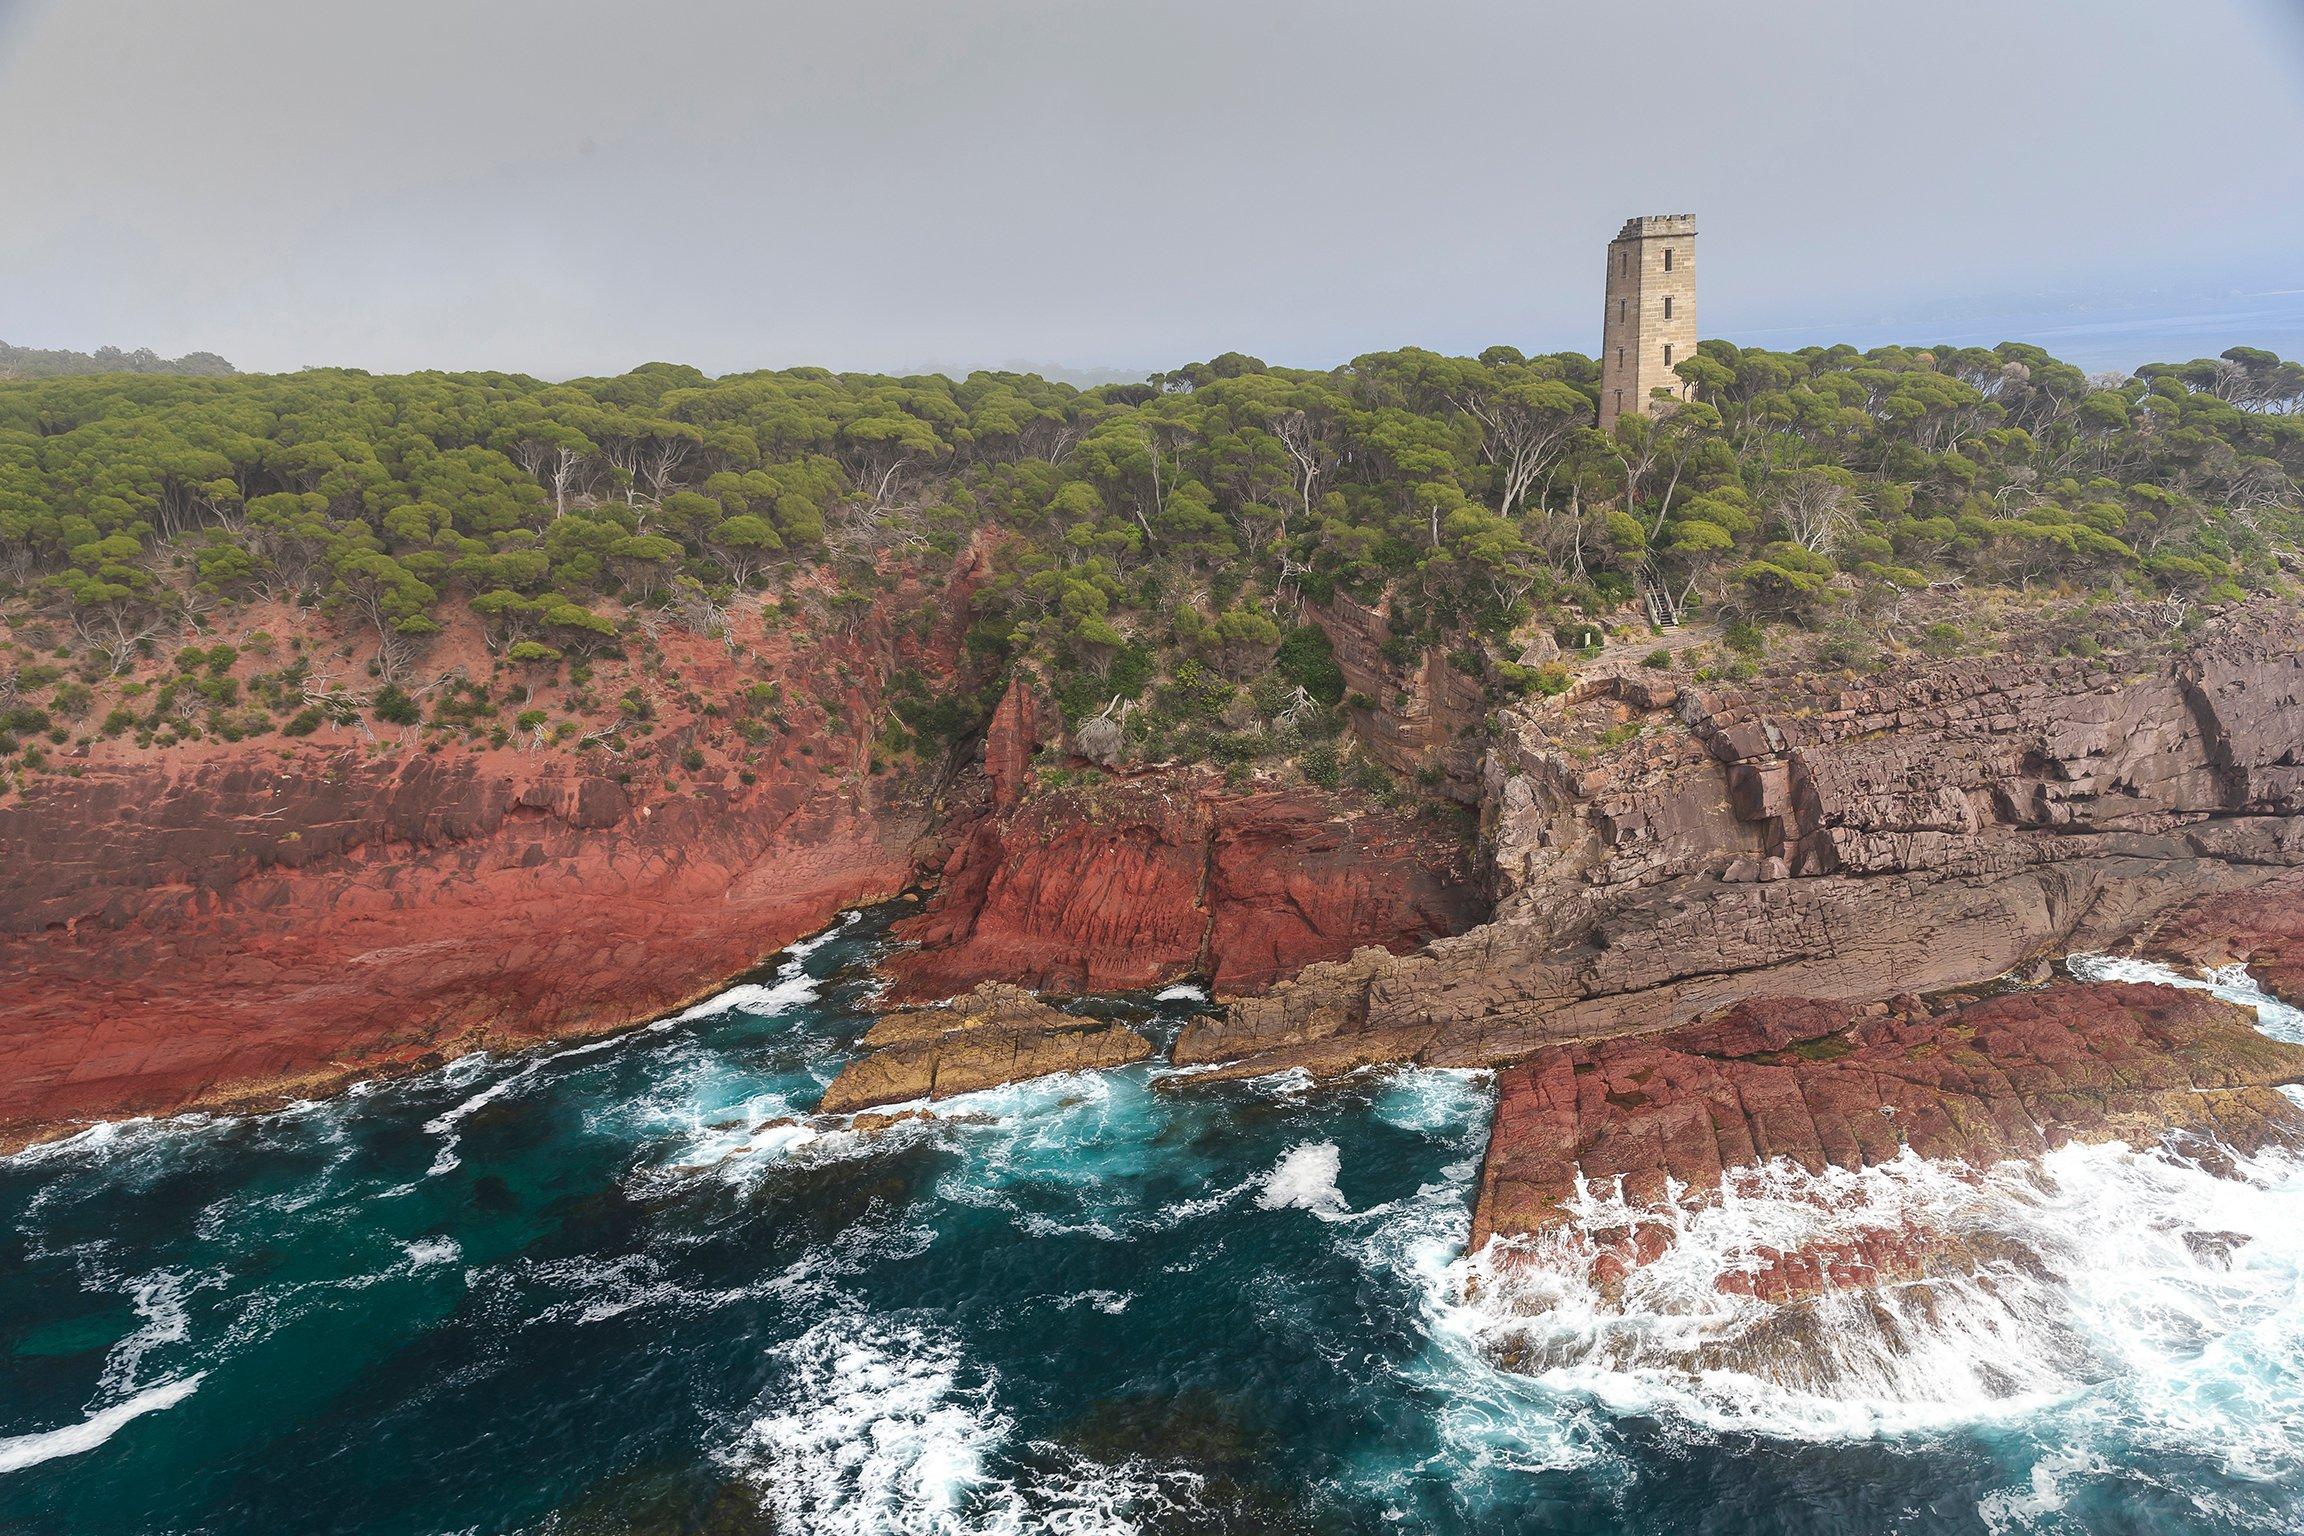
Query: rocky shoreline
<point>1661,856</point>
<point>1662,1119</point>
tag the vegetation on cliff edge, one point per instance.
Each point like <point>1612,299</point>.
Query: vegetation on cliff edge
<point>1163,553</point>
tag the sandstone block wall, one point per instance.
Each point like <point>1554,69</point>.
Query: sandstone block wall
<point>1651,314</point>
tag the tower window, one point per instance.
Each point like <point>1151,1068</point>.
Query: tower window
<point>1667,306</point>
<point>1619,357</point>
<point>1667,354</point>
<point>1667,258</point>
<point>1624,308</point>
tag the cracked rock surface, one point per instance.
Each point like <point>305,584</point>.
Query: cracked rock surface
<point>1824,1086</point>
<point>1661,852</point>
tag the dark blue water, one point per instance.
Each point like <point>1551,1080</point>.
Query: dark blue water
<point>600,1290</point>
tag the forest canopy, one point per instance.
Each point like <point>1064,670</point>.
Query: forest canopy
<point>1148,534</point>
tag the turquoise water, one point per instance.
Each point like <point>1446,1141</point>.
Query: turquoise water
<point>595,1289</point>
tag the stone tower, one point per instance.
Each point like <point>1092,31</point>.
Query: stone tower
<point>1651,322</point>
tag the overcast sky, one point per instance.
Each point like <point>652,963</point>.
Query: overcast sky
<point>565,186</point>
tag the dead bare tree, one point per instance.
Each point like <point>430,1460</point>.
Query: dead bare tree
<point>1521,439</point>
<point>693,609</point>
<point>662,461</point>
<point>1050,438</point>
<point>1307,446</point>
<point>114,632</point>
<point>863,530</point>
<point>568,470</point>
<point>1816,509</point>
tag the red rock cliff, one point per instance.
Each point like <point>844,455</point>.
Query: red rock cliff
<point>1134,882</point>
<point>221,923</point>
<point>234,930</point>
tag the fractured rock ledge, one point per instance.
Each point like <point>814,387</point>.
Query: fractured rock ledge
<point>1924,829</point>
<point>1827,1087</point>
<point>2262,929</point>
<point>994,1035</point>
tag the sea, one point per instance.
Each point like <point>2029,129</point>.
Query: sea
<point>631,1286</point>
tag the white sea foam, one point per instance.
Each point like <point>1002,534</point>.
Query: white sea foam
<point>427,1251</point>
<point>1431,1099</point>
<point>1305,1179</point>
<point>792,988</point>
<point>1112,1303</point>
<point>21,1451</point>
<point>2098,1284</point>
<point>878,1428</point>
<point>1182,992</point>
<point>108,1139</point>
<point>2229,982</point>
<point>2041,1495</point>
<point>882,1427</point>
<point>2105,1297</point>
<point>160,1299</point>
<point>1293,1083</point>
<point>1491,1421</point>
<point>444,1124</point>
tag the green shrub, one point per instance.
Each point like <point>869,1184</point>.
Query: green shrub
<point>1323,764</point>
<point>1308,661</point>
<point>393,706</point>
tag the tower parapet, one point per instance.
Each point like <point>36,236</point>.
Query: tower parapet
<point>1650,324</point>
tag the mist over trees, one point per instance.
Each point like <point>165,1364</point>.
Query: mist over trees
<point>36,363</point>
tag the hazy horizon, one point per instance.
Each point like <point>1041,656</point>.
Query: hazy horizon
<point>891,185</point>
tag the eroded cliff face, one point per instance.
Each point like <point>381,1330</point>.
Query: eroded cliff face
<point>1662,853</point>
<point>224,925</point>
<point>227,925</point>
<point>1131,881</point>
<point>200,933</point>
<point>220,924</point>
<point>1414,715</point>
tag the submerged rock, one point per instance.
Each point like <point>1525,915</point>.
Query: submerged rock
<point>996,1034</point>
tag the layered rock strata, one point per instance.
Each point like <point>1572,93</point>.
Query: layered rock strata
<point>1662,852</point>
<point>1417,716</point>
<point>1134,881</point>
<point>235,931</point>
<point>226,924</point>
<point>995,1034</point>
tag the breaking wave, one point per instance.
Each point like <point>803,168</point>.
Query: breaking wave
<point>881,1426</point>
<point>1305,1180</point>
<point>2097,1273</point>
<point>21,1451</point>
